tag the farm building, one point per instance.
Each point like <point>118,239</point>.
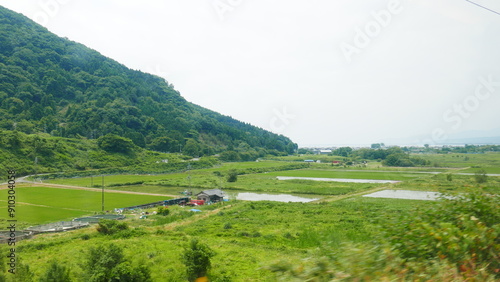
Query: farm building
<point>212,195</point>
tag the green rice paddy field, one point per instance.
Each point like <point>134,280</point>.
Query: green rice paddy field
<point>37,205</point>
<point>349,174</point>
<point>255,178</point>
<point>487,160</point>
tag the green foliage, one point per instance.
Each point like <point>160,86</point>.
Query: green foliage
<point>454,240</point>
<point>164,144</point>
<point>343,151</point>
<point>229,156</point>
<point>463,230</point>
<point>449,177</point>
<point>192,148</point>
<point>23,272</point>
<point>232,176</point>
<point>115,144</point>
<point>393,156</point>
<point>377,145</point>
<point>56,273</point>
<point>404,160</point>
<point>196,257</point>
<point>163,211</point>
<point>397,160</point>
<point>480,176</point>
<point>174,216</point>
<point>108,263</point>
<point>109,226</point>
<point>304,151</point>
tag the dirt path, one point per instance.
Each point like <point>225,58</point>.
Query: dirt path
<point>341,197</point>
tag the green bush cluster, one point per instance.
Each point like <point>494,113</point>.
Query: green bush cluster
<point>163,211</point>
<point>110,227</point>
<point>463,230</point>
<point>480,176</point>
<point>108,263</point>
<point>197,259</point>
<point>232,176</point>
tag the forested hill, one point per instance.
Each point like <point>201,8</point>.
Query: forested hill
<point>53,85</point>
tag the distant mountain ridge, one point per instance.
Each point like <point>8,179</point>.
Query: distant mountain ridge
<point>53,85</point>
<point>470,137</point>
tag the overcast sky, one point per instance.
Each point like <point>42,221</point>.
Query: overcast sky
<point>321,72</point>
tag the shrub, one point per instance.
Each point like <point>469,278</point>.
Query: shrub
<point>480,176</point>
<point>56,273</point>
<point>455,240</point>
<point>115,144</point>
<point>163,211</point>
<point>449,177</point>
<point>107,263</point>
<point>256,234</point>
<point>23,272</point>
<point>232,176</point>
<point>462,230</point>
<point>196,258</point>
<point>109,226</point>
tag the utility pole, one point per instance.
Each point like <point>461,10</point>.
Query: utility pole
<point>189,176</point>
<point>36,158</point>
<point>102,185</point>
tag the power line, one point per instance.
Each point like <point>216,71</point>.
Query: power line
<point>493,11</point>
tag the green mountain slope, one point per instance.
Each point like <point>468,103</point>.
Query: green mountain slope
<point>52,85</point>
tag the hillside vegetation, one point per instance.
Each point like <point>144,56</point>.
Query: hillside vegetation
<point>110,154</point>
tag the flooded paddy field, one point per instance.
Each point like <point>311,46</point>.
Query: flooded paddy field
<point>337,179</point>
<point>405,194</point>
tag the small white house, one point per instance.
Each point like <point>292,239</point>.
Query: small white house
<point>324,152</point>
